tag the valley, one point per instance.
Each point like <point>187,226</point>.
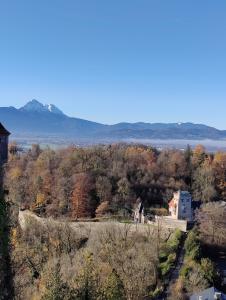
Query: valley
<point>46,124</point>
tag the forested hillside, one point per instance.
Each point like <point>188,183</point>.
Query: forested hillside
<point>103,180</point>
<point>57,260</point>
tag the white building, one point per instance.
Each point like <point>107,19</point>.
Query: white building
<point>180,207</point>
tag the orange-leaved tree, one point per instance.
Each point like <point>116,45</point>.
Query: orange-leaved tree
<point>83,197</point>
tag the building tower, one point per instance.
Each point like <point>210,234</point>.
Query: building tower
<point>180,207</point>
<point>4,141</point>
<point>139,212</point>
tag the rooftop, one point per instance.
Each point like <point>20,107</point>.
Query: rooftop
<point>209,294</point>
<point>3,131</point>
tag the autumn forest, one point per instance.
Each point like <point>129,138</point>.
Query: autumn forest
<point>68,223</point>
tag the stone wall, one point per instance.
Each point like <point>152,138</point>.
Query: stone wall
<point>170,223</point>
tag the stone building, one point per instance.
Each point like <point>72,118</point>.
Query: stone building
<point>4,140</point>
<point>180,207</point>
<point>139,212</point>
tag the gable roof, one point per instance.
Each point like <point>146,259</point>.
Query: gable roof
<point>208,294</point>
<point>3,131</point>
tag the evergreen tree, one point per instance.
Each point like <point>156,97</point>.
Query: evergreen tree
<point>188,160</point>
<point>188,154</point>
<point>88,280</point>
<point>113,288</point>
<point>56,289</point>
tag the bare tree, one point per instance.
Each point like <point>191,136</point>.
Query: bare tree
<point>212,223</point>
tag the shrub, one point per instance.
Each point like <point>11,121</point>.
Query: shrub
<point>209,270</point>
<point>113,288</point>
<point>197,274</point>
<point>185,270</point>
<point>192,245</point>
<point>174,242</point>
<point>168,252</point>
<point>167,265</point>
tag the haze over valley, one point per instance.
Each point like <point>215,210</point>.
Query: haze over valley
<point>113,178</point>
<point>47,124</point>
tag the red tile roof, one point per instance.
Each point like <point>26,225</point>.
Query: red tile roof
<point>3,131</point>
<point>172,203</point>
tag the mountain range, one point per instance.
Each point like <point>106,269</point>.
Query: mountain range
<point>37,119</point>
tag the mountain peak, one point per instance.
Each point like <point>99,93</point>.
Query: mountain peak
<point>33,105</point>
<point>36,106</point>
<point>53,109</point>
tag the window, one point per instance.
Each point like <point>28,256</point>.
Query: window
<point>217,296</point>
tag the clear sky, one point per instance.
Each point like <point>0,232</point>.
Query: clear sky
<point>117,60</point>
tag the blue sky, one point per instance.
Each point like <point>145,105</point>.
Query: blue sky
<point>121,60</point>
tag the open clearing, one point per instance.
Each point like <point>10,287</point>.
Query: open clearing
<point>91,228</point>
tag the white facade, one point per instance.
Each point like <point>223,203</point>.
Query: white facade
<point>180,207</point>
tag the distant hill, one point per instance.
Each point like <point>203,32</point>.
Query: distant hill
<point>41,120</point>
<point>37,119</point>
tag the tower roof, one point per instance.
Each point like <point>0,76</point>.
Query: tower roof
<point>3,131</point>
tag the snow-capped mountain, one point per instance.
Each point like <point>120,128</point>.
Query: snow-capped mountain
<point>53,109</point>
<point>36,106</point>
<point>35,118</point>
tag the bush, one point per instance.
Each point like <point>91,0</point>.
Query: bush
<point>168,252</point>
<point>156,293</point>
<point>185,271</point>
<point>192,246</point>
<point>174,241</point>
<point>209,270</point>
<point>113,288</point>
<point>195,272</point>
<point>158,211</point>
<point>167,265</point>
